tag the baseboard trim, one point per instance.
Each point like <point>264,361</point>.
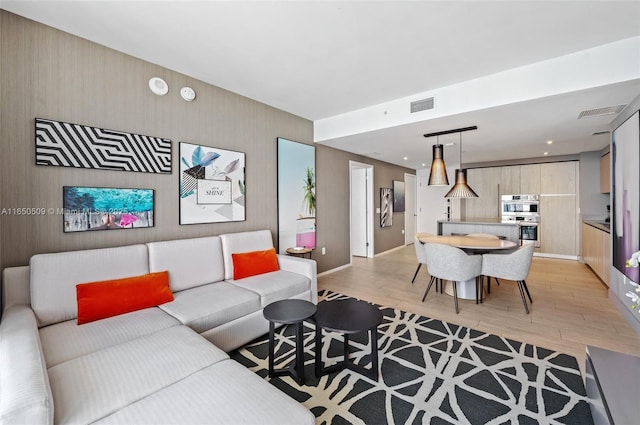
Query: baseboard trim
<point>326,272</point>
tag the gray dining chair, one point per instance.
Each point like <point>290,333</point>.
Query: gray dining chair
<point>486,236</point>
<point>514,266</point>
<point>450,263</point>
<point>420,255</point>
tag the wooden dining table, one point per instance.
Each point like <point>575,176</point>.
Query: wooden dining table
<point>471,245</point>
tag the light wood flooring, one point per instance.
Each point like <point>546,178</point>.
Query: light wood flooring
<point>570,306</point>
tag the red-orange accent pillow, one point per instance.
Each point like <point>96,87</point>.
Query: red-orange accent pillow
<point>247,264</point>
<point>99,300</point>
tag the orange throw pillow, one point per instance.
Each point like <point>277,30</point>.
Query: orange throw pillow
<point>252,263</point>
<point>99,300</point>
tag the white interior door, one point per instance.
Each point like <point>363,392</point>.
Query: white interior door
<point>361,207</point>
<point>359,212</point>
<point>409,208</point>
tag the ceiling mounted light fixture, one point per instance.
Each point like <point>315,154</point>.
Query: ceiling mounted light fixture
<point>438,173</point>
<point>460,187</point>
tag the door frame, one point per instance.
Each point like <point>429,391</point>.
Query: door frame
<point>410,215</point>
<point>369,195</point>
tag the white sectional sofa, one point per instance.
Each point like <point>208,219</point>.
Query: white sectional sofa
<point>164,364</point>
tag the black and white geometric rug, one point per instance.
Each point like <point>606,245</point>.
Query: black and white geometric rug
<point>431,372</point>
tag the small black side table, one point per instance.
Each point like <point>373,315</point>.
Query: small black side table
<point>288,312</point>
<point>347,317</point>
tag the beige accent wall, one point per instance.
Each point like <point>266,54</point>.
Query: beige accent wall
<point>47,73</point>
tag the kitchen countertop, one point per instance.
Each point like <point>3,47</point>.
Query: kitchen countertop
<point>495,221</point>
<point>599,224</point>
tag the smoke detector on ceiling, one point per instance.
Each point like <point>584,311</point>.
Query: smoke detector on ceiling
<point>596,112</point>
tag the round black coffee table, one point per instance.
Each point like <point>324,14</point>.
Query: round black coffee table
<point>347,317</point>
<point>288,312</point>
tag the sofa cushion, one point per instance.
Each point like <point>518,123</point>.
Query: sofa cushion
<point>99,300</point>
<point>190,262</point>
<point>275,286</point>
<point>66,340</point>
<point>252,263</point>
<point>54,277</point>
<point>91,387</point>
<point>225,393</point>
<point>25,394</point>
<point>208,306</point>
<point>258,240</point>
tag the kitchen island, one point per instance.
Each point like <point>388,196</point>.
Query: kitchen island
<point>493,226</point>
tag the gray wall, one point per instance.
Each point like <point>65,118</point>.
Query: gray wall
<point>593,204</point>
<point>47,73</point>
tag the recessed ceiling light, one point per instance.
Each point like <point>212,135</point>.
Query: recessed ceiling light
<point>549,142</point>
<point>158,86</point>
<point>405,158</point>
<point>424,165</point>
<point>546,153</point>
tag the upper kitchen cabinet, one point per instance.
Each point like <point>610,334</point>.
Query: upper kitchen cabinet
<point>558,177</point>
<point>530,179</point>
<point>510,180</point>
<point>484,181</point>
<point>605,173</point>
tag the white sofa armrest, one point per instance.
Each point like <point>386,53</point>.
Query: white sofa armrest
<point>16,287</point>
<point>304,267</point>
<point>25,393</point>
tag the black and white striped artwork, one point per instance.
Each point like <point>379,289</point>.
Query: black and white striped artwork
<point>386,207</point>
<point>73,145</point>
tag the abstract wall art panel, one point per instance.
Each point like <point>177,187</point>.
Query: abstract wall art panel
<point>398,196</point>
<point>73,145</point>
<point>386,207</point>
<point>211,185</point>
<point>625,148</point>
<point>296,195</point>
<point>105,208</point>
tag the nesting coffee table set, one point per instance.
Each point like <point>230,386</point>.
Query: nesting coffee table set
<point>348,317</point>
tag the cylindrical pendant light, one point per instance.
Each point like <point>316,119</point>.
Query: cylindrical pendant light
<point>438,174</point>
<point>460,188</point>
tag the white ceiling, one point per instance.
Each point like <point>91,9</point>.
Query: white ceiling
<point>320,59</point>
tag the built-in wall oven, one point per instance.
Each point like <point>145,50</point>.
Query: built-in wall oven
<point>524,210</point>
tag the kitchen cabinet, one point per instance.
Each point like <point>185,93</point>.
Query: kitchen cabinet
<point>605,173</point>
<point>596,251</point>
<point>558,177</point>
<point>530,179</point>
<point>510,180</point>
<point>484,181</point>
<point>558,225</point>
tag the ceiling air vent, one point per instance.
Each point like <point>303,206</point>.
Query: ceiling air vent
<point>607,110</point>
<point>422,105</point>
<point>598,133</point>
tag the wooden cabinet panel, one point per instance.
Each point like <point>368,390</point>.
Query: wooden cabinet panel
<point>510,180</point>
<point>605,173</point>
<point>596,251</point>
<point>530,179</point>
<point>558,177</point>
<point>484,181</point>
<point>558,233</point>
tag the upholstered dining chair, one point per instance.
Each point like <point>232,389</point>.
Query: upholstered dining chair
<point>450,263</point>
<point>420,255</point>
<point>486,236</point>
<point>514,266</point>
